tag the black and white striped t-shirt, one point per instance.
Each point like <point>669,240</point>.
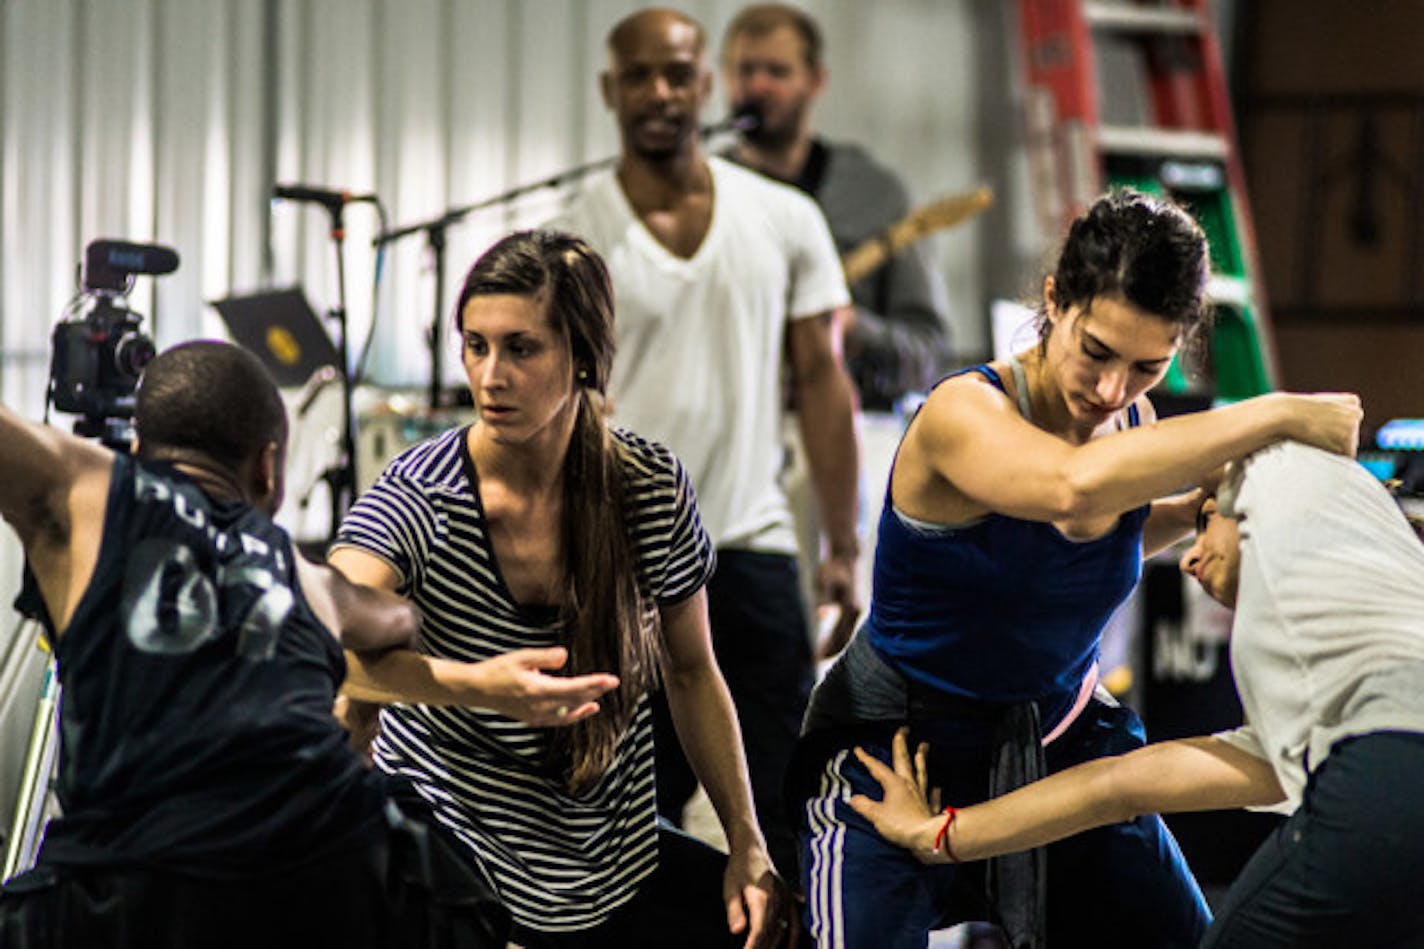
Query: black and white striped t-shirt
<point>558,862</point>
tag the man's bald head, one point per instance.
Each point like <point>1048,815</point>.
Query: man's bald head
<point>639,27</point>
<point>657,84</point>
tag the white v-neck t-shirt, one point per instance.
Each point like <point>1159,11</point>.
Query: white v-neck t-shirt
<point>701,339</point>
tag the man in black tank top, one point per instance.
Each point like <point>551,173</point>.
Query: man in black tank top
<point>209,796</point>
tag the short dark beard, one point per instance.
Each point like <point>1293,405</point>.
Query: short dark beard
<point>771,139</point>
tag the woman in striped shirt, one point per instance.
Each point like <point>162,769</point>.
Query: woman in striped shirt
<point>540,526</point>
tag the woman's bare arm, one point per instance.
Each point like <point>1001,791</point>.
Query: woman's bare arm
<point>517,684</point>
<point>970,435</point>
<point>1190,774</point>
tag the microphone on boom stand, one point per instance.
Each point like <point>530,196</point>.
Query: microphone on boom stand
<point>329,198</point>
<point>744,119</point>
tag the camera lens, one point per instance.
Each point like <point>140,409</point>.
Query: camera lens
<point>131,353</point>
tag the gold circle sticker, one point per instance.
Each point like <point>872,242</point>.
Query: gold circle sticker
<point>283,345</point>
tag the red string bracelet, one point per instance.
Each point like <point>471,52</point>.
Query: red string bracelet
<point>941,841</point>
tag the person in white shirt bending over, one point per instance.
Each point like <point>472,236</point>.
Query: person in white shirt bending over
<point>1327,579</point>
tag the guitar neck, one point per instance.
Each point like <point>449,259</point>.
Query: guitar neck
<point>864,259</point>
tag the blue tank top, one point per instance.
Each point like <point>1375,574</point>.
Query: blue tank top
<point>1000,609</point>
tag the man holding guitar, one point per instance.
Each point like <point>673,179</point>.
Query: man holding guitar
<point>897,340</point>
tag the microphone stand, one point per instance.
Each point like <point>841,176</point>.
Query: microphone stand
<point>435,228</point>
<point>340,478</point>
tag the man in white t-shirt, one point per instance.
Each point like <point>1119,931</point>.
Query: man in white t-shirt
<point>723,281</point>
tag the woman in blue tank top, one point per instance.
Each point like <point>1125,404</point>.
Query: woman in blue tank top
<point>1020,503</point>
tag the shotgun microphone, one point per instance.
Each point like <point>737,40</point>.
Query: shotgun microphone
<point>108,264</point>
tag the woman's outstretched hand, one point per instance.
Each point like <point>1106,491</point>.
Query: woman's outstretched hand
<point>517,684</point>
<point>907,815</point>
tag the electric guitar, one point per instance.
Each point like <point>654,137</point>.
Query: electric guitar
<point>918,224</point>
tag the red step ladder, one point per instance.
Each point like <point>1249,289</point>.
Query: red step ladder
<point>1133,93</point>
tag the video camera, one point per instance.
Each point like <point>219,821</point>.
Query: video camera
<point>96,358</point>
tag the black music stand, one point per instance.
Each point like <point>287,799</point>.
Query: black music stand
<point>280,327</point>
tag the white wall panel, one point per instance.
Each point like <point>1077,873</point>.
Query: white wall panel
<point>250,155</point>
<point>41,79</point>
<point>414,177</point>
<point>192,207</point>
<point>482,105</point>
